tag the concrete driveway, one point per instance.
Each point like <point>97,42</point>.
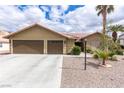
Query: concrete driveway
<point>33,71</point>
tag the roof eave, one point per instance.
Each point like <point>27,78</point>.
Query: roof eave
<point>8,36</point>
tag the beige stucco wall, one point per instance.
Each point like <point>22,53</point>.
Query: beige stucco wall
<point>121,39</point>
<point>69,45</point>
<point>94,40</point>
<point>4,47</point>
<point>39,33</point>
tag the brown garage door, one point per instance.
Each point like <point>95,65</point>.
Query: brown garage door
<point>28,46</point>
<point>55,47</point>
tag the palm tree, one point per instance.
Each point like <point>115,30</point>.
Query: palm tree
<point>104,10</point>
<point>114,29</point>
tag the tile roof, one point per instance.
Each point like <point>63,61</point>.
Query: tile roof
<point>80,35</point>
<point>71,35</point>
<point>77,35</point>
<point>23,29</point>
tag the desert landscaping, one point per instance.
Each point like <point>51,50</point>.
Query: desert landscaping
<point>74,75</point>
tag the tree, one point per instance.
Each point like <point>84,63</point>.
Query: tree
<point>104,10</point>
<point>114,29</point>
<point>106,49</point>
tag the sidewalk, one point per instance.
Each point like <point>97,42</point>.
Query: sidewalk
<point>4,52</point>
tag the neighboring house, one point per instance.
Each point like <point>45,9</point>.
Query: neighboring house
<point>37,39</point>
<point>4,43</point>
<point>121,38</point>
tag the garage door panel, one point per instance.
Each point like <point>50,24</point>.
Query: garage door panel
<point>55,47</point>
<point>28,46</point>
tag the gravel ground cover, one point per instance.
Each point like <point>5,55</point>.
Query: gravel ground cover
<point>74,76</point>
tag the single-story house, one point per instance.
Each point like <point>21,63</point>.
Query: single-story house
<point>4,43</point>
<point>37,39</point>
<point>121,38</point>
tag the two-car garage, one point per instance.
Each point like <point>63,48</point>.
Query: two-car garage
<point>37,46</point>
<point>37,39</point>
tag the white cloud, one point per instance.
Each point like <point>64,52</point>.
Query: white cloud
<point>11,18</point>
<point>55,13</point>
<point>45,8</point>
<point>64,7</point>
<point>34,14</point>
<point>117,16</point>
<point>83,19</point>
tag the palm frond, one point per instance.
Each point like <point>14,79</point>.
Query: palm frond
<point>106,8</point>
<point>98,7</point>
<point>110,8</point>
<point>100,12</point>
<point>116,28</point>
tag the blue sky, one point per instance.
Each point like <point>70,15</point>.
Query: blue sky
<point>47,13</point>
<point>71,18</point>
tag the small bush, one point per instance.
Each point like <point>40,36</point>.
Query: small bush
<point>111,54</point>
<point>95,56</point>
<point>76,50</point>
<point>102,54</point>
<point>119,52</point>
<point>88,50</point>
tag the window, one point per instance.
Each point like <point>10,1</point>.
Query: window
<point>0,44</point>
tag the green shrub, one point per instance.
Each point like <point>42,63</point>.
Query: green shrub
<point>119,52</point>
<point>76,50</point>
<point>111,54</point>
<point>102,54</point>
<point>88,50</point>
<point>95,56</point>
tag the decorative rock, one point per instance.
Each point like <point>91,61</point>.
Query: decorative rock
<point>107,65</point>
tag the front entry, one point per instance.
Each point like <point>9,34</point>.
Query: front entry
<point>80,44</point>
